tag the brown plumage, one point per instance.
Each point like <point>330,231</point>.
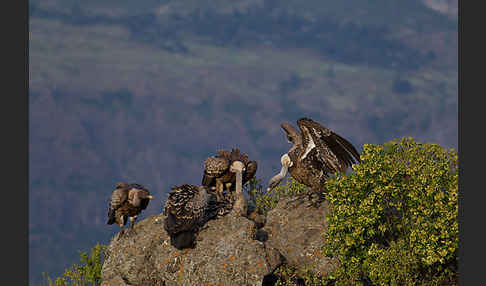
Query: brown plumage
<point>316,153</point>
<point>126,202</point>
<point>187,209</point>
<point>217,174</point>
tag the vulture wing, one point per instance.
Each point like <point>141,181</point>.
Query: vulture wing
<point>334,152</point>
<point>236,155</point>
<point>250,172</point>
<point>118,197</point>
<point>185,210</point>
<point>184,207</point>
<point>213,168</point>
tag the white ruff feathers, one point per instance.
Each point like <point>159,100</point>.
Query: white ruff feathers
<point>311,145</point>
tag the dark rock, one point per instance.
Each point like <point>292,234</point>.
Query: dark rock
<point>259,219</point>
<point>261,235</point>
<point>270,280</point>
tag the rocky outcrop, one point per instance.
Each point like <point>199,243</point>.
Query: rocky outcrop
<point>296,230</point>
<point>231,250</point>
<point>226,253</point>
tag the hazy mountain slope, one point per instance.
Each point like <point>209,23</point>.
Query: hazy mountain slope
<point>117,97</point>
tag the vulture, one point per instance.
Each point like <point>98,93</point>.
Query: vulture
<point>217,173</point>
<point>187,209</point>
<point>127,201</point>
<point>316,153</point>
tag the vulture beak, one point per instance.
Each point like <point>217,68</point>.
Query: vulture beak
<point>150,197</point>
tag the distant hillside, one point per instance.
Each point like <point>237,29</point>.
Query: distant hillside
<point>332,31</point>
<point>145,92</point>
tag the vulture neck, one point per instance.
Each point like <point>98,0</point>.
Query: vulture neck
<point>283,172</point>
<point>296,148</point>
<point>239,180</point>
<point>240,206</point>
<point>275,180</point>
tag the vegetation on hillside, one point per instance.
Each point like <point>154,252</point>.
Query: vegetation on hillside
<point>88,273</point>
<point>394,221</point>
<point>263,201</point>
<point>285,26</point>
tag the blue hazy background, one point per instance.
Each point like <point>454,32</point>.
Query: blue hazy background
<point>145,91</point>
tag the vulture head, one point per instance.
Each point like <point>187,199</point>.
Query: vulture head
<point>139,197</point>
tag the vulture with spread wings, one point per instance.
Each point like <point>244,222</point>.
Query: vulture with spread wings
<point>316,153</point>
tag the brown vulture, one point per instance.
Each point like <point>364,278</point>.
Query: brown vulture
<point>316,153</point>
<point>217,173</point>
<point>187,209</point>
<point>126,202</point>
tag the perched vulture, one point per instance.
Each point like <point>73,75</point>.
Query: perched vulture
<point>217,173</point>
<point>316,153</point>
<point>127,201</point>
<point>187,209</point>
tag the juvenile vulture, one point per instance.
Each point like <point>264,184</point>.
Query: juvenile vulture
<point>187,209</point>
<point>127,201</point>
<point>217,173</point>
<point>316,153</point>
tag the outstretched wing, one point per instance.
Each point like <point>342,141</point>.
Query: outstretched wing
<point>334,152</point>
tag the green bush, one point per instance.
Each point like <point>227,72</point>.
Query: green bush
<point>87,274</point>
<point>394,220</point>
<point>265,201</point>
